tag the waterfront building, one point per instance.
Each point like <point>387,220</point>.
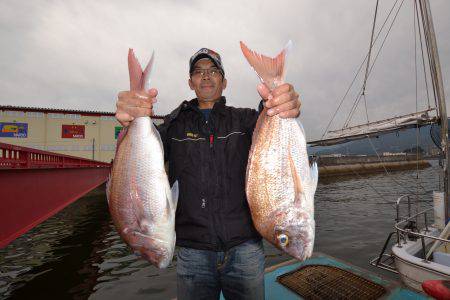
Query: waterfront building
<point>87,134</point>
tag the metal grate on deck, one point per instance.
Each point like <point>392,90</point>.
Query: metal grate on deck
<point>328,282</point>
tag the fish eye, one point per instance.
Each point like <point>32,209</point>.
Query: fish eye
<point>283,239</point>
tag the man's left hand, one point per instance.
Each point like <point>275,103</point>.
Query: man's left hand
<point>283,100</point>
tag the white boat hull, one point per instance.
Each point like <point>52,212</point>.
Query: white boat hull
<point>414,270</point>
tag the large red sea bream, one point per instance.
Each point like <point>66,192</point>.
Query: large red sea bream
<point>280,183</point>
<point>141,202</point>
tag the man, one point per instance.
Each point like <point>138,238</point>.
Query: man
<point>206,144</point>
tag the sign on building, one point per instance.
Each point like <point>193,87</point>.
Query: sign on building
<point>72,132</point>
<point>14,130</point>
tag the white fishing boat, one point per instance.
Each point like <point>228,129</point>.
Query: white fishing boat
<point>418,254</point>
<point>419,244</point>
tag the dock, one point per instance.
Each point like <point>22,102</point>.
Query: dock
<point>332,165</point>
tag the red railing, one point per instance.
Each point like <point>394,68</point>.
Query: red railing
<point>18,157</point>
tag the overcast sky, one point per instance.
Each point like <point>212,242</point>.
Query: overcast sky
<point>72,54</point>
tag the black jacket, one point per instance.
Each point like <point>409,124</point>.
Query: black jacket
<point>209,160</point>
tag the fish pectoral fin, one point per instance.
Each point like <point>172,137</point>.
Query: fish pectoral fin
<point>298,186</point>
<point>138,207</point>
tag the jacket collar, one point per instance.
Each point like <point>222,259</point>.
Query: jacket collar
<point>219,106</point>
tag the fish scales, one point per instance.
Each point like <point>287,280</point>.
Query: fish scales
<point>280,184</point>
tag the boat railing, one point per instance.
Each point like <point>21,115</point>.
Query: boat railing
<point>404,232</point>
<point>406,227</point>
<point>19,157</point>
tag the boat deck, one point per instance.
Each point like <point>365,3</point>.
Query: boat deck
<point>275,290</point>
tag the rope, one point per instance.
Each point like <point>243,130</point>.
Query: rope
<point>386,171</point>
<point>355,104</point>
<point>357,72</point>
<point>370,49</point>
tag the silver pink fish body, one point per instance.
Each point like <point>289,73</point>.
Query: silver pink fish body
<point>141,202</point>
<point>280,183</point>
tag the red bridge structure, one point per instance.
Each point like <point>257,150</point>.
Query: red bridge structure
<point>35,184</point>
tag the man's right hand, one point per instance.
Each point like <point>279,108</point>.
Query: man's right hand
<point>132,104</point>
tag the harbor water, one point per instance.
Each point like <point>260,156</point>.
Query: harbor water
<point>77,254</point>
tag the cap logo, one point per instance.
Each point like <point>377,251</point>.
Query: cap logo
<point>211,54</point>
<point>207,51</point>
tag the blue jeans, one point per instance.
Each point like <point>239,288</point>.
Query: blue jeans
<point>238,272</point>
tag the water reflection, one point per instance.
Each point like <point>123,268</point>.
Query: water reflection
<point>55,258</point>
<point>78,254</point>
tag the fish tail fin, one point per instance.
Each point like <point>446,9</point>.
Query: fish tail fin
<point>270,71</point>
<point>148,73</point>
<point>135,70</point>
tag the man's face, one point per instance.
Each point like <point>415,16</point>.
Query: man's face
<point>207,82</point>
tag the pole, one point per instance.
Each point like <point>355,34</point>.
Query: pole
<point>436,75</point>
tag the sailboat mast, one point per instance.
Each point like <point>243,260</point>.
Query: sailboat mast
<point>435,69</point>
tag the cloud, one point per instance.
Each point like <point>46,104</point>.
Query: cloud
<point>72,54</point>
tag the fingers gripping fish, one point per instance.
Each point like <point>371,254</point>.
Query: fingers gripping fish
<point>280,184</point>
<point>141,202</point>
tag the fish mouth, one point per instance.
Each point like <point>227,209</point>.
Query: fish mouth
<point>159,258</point>
<point>302,253</point>
<point>151,249</point>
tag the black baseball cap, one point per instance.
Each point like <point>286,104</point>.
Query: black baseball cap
<point>206,53</point>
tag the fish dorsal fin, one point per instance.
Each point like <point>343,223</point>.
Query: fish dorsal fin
<point>270,71</point>
<point>135,70</point>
